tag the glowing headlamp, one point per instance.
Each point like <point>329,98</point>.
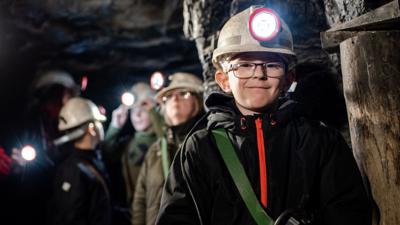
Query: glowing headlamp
<point>127,99</point>
<point>264,24</point>
<point>28,153</point>
<point>157,80</point>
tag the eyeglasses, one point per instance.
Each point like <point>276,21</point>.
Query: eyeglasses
<point>248,69</point>
<point>179,94</point>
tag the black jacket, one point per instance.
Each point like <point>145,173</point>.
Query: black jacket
<point>80,191</point>
<point>309,166</point>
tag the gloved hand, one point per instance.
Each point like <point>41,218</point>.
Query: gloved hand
<point>119,116</point>
<point>5,163</point>
<point>17,157</point>
<point>295,217</point>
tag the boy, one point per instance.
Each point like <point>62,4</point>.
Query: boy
<point>260,160</point>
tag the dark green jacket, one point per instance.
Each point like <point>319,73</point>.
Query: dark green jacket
<point>126,154</point>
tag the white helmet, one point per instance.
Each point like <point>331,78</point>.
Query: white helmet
<point>141,92</point>
<point>54,77</point>
<point>256,29</point>
<point>78,111</point>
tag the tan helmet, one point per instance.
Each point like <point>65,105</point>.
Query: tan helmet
<point>78,111</point>
<point>236,37</point>
<point>142,91</point>
<point>181,80</point>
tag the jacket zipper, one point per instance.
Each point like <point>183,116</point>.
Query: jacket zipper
<point>262,162</point>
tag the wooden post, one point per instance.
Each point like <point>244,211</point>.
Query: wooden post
<point>370,57</point>
<point>371,83</point>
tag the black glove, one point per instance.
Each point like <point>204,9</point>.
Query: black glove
<point>295,217</point>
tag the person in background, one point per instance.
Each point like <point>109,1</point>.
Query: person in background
<point>182,106</point>
<point>261,160</point>
<point>80,193</point>
<point>29,182</point>
<point>49,92</point>
<point>124,155</point>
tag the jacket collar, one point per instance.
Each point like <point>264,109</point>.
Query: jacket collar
<point>224,113</point>
<point>178,133</point>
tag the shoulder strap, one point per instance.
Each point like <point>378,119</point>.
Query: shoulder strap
<point>164,156</point>
<point>238,174</point>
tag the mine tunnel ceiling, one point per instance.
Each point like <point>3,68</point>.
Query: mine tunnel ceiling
<point>100,35</point>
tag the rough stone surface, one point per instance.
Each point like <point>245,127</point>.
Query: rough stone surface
<point>339,11</point>
<point>94,35</point>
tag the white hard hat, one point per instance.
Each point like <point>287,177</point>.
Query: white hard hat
<point>78,111</point>
<point>54,77</point>
<point>141,92</point>
<point>239,35</point>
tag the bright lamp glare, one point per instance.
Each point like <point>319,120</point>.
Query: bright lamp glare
<point>127,99</point>
<point>28,153</point>
<point>157,80</point>
<point>264,24</point>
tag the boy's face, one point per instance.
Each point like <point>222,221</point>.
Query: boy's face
<point>257,93</point>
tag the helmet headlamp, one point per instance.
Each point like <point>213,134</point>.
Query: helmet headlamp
<point>127,99</point>
<point>264,24</point>
<point>28,153</point>
<point>157,81</point>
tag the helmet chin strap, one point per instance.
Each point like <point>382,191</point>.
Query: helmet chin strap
<point>292,87</point>
<point>286,96</point>
<point>69,137</point>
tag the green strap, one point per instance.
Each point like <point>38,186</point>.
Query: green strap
<point>164,157</point>
<point>238,174</point>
